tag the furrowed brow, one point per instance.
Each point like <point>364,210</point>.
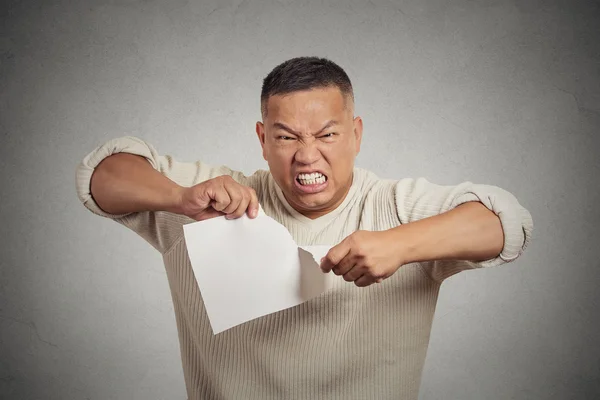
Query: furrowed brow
<point>328,125</point>
<point>280,125</point>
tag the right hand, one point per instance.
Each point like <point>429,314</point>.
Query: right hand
<point>216,197</point>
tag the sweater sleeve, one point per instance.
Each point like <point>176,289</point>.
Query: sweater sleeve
<point>159,228</point>
<point>419,198</point>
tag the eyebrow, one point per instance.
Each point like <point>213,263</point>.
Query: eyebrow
<point>281,125</point>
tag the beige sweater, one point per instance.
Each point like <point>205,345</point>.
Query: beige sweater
<point>348,343</point>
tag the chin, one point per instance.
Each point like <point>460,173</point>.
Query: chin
<point>314,201</point>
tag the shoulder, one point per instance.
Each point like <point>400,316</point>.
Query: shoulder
<point>378,200</point>
<point>260,180</point>
<point>257,180</point>
<point>368,183</point>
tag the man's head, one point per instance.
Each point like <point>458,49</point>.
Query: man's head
<point>309,134</point>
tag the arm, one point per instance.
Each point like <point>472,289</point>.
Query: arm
<point>419,199</point>
<point>468,232</point>
<point>143,199</point>
<point>126,183</point>
<point>445,228</point>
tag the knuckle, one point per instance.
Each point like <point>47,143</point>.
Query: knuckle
<point>357,244</point>
<point>369,273</point>
<point>359,247</point>
<point>377,274</point>
<point>352,239</point>
<point>233,199</point>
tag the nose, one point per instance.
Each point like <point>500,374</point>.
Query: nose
<point>308,153</point>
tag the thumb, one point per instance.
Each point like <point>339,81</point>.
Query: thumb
<point>204,197</point>
<point>335,255</point>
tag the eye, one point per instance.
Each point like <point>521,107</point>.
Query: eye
<point>285,138</point>
<point>328,135</point>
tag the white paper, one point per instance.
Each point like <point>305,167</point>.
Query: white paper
<point>246,268</point>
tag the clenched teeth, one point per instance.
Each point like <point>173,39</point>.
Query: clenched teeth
<point>315,178</point>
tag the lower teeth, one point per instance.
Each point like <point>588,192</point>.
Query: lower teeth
<point>315,182</point>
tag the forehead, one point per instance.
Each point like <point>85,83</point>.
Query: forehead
<point>314,104</point>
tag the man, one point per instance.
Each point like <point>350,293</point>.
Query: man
<point>395,242</point>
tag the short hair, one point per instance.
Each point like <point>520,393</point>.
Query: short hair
<point>304,73</point>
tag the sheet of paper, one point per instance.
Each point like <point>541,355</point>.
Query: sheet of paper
<point>246,268</point>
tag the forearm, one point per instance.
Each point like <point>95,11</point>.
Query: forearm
<point>470,231</point>
<point>124,183</point>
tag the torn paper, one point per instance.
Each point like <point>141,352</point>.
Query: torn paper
<point>246,268</point>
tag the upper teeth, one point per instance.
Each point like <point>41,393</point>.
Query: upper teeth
<point>311,179</point>
<point>314,175</point>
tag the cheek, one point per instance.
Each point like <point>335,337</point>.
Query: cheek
<point>340,160</point>
<point>281,158</point>
<point>335,154</point>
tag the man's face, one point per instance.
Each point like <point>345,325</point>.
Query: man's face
<point>310,140</point>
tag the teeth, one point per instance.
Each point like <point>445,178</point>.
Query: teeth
<point>314,175</point>
<point>311,179</point>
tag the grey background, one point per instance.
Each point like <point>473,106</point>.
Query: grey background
<point>497,92</point>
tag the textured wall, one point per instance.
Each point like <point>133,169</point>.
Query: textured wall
<point>497,92</point>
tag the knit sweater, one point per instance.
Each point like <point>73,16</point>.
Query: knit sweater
<point>347,343</point>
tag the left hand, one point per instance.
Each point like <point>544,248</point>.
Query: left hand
<point>365,257</point>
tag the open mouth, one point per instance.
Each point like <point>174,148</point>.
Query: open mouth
<point>314,178</point>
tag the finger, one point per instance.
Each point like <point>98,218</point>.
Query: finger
<point>221,199</point>
<point>236,196</point>
<point>346,264</point>
<point>354,273</point>
<point>364,280</point>
<point>335,255</point>
<point>240,210</point>
<point>201,196</point>
<point>253,206</point>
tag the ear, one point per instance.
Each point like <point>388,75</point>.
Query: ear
<point>358,130</point>
<point>260,132</point>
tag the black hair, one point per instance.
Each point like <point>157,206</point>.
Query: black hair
<point>304,73</point>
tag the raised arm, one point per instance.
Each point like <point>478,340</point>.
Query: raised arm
<point>124,183</point>
<point>419,199</point>
<point>436,229</point>
<point>126,180</point>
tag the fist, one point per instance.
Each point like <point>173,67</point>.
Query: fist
<point>216,197</point>
<point>364,257</point>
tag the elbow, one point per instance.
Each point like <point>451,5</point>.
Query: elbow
<point>98,183</point>
<point>496,234</point>
<point>102,182</point>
